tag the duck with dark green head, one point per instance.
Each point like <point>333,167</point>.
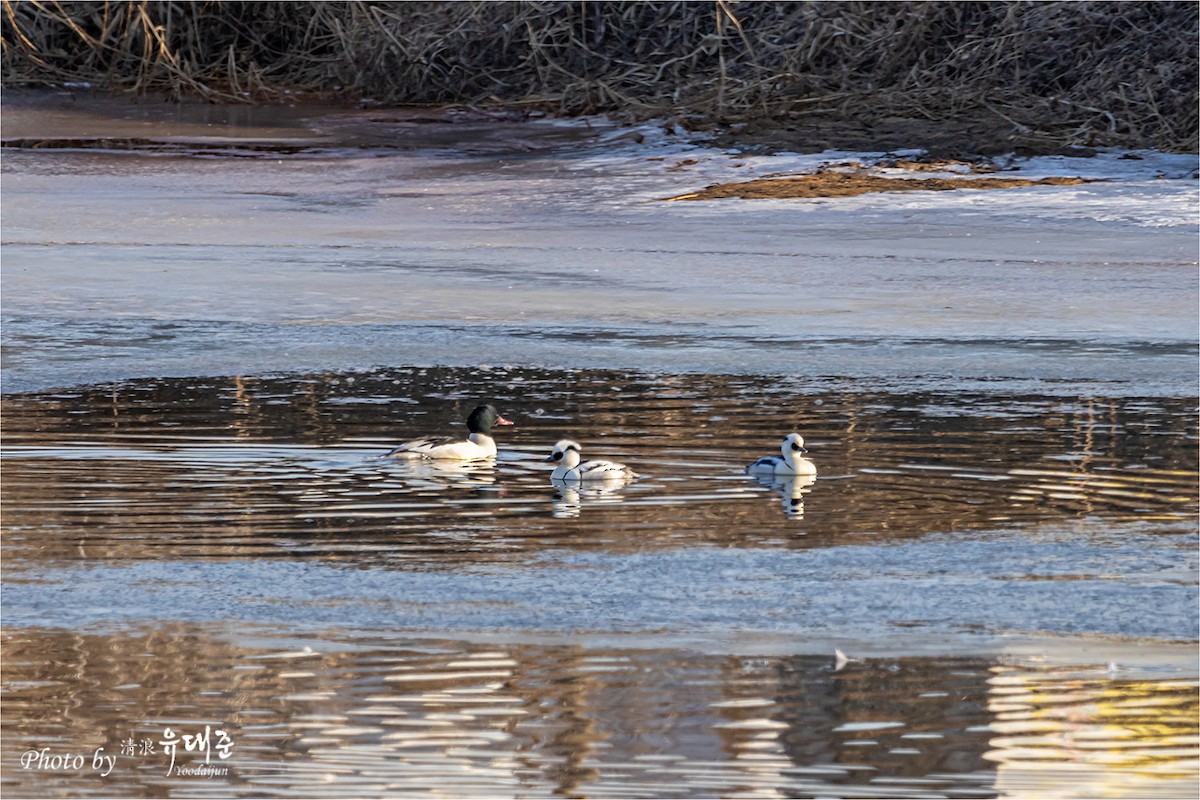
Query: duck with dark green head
<point>478,445</point>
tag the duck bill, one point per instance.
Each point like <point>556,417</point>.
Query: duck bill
<point>503,421</point>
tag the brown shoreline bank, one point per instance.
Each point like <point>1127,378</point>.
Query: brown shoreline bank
<point>980,143</point>
<point>950,77</point>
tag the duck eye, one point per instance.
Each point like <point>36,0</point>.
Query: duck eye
<point>556,456</point>
<point>797,448</point>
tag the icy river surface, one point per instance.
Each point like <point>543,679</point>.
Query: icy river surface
<point>215,321</point>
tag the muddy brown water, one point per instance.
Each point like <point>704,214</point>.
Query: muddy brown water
<point>232,554</point>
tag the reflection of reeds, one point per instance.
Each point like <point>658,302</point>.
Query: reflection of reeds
<point>1058,732</point>
<point>1117,73</point>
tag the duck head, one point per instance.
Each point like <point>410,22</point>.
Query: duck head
<point>793,445</point>
<point>484,418</point>
<point>565,453</point>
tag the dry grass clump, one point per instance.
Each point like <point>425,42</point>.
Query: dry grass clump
<point>851,184</point>
<point>1120,73</point>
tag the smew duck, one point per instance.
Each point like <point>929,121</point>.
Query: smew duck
<point>792,462</point>
<point>566,455</point>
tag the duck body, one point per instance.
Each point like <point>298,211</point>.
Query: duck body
<point>478,445</point>
<point>473,448</point>
<point>566,454</point>
<point>790,462</point>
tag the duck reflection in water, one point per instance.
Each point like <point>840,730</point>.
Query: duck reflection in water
<point>571,496</point>
<point>791,489</point>
<point>438,474</point>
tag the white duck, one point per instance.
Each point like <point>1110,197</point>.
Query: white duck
<point>476,446</point>
<point>566,455</point>
<point>791,463</point>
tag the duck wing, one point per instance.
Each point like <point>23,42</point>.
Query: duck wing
<point>604,469</point>
<point>421,447</point>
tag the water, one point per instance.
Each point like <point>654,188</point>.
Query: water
<point>385,715</point>
<point>214,326</point>
<point>673,636</point>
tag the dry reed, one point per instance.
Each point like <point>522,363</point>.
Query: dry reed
<point>1117,73</point>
